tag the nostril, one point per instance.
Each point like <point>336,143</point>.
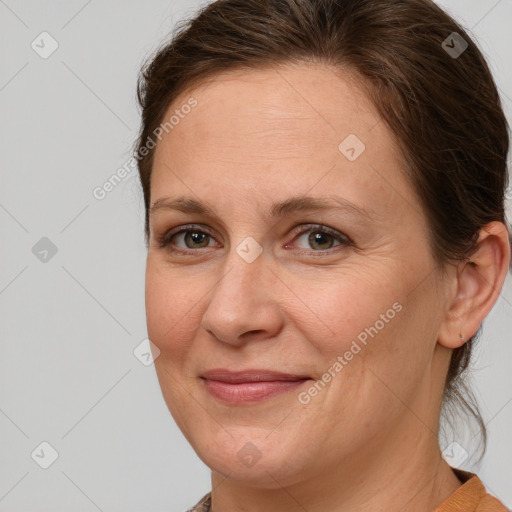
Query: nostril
<point>249,334</point>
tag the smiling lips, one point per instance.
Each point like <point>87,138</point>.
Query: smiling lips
<point>249,385</point>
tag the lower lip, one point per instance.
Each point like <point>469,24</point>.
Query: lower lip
<point>250,391</point>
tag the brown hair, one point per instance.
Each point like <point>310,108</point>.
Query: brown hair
<point>443,109</point>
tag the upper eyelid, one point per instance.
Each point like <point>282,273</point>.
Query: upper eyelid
<point>188,227</point>
<point>319,227</point>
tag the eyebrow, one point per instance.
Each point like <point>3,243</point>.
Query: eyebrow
<point>292,205</point>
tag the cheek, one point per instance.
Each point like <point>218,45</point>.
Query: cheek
<point>363,331</point>
<point>346,312</point>
<point>346,309</point>
<point>172,310</point>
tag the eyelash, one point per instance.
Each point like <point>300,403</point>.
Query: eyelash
<point>164,240</point>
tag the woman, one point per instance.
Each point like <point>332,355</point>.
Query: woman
<point>324,185</point>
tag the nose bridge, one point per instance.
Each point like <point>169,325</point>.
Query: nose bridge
<point>242,277</point>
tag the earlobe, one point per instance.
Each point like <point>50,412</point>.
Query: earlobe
<point>479,283</point>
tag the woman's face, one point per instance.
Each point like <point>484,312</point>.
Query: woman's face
<point>291,242</point>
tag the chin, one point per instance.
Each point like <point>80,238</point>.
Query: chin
<point>255,461</point>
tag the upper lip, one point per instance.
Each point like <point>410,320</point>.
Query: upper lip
<point>223,375</point>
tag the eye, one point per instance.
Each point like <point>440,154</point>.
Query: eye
<point>319,238</point>
<point>186,238</point>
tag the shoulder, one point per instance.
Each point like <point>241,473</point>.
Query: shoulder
<point>204,504</point>
<point>471,496</point>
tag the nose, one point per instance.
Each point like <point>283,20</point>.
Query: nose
<point>244,305</point>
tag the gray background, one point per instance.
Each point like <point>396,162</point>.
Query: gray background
<point>69,325</point>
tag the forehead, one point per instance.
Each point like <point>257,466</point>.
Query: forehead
<point>288,124</point>
<point>307,99</point>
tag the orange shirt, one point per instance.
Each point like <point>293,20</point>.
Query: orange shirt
<point>471,496</point>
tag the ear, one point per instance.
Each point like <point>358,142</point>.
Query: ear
<point>479,283</point>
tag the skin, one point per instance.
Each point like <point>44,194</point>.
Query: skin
<point>368,439</point>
